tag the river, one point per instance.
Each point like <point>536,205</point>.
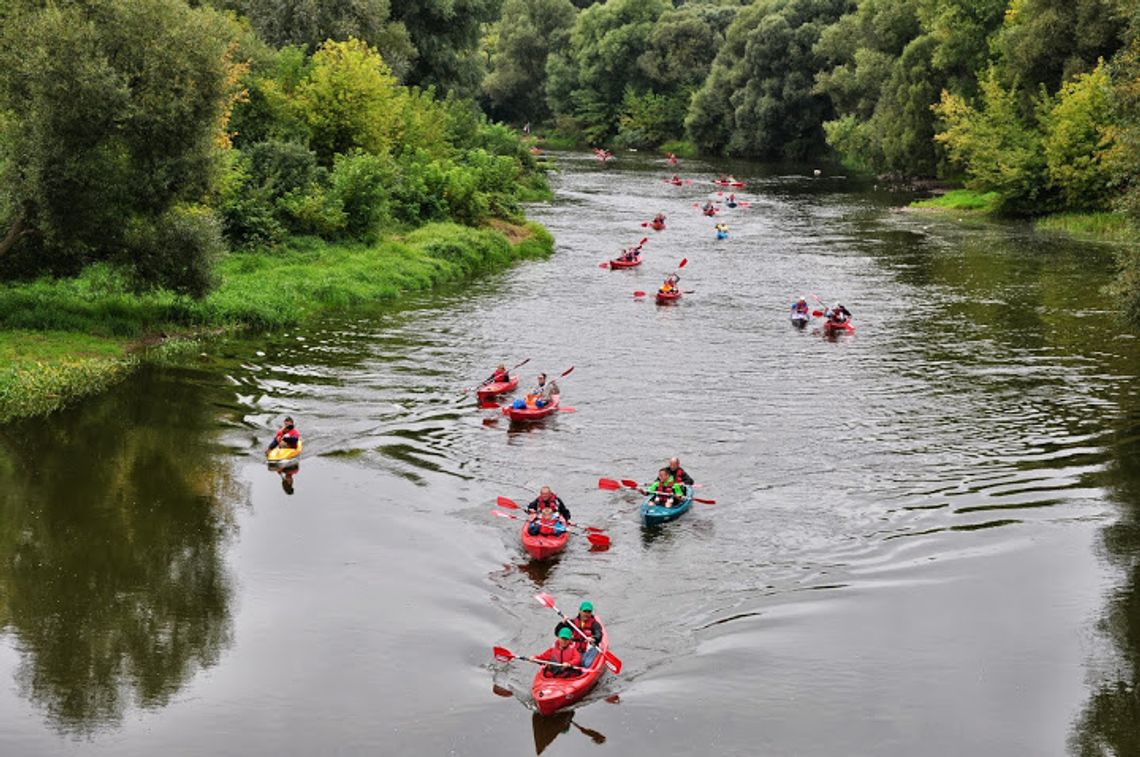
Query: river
<point>924,541</point>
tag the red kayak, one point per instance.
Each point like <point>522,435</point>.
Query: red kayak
<point>552,694</point>
<point>835,327</point>
<point>521,415</point>
<point>656,226</point>
<point>665,298</point>
<point>736,184</point>
<point>541,547</point>
<point>495,388</point>
<point>619,263</point>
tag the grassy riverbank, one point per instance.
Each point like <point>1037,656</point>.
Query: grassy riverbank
<point>68,338</point>
<point>1091,225</point>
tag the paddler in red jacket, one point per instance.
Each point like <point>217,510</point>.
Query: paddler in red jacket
<point>564,651</point>
<point>287,437</point>
<point>588,625</point>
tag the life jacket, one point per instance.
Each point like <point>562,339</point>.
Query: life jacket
<point>800,307</point>
<point>288,437</point>
<point>569,655</point>
<point>587,629</point>
<point>500,377</point>
<point>676,476</point>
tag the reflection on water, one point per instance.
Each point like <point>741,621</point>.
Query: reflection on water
<point>112,536</point>
<point>549,727</point>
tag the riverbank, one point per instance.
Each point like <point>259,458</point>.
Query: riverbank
<point>65,339</point>
<point>1088,225</point>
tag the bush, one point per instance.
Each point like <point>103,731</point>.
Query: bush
<point>178,251</point>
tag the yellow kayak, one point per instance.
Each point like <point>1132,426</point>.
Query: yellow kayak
<point>283,454</point>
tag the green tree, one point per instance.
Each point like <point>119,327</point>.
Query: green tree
<point>589,80</point>
<point>446,34</point>
<point>114,115</point>
<point>759,99</point>
<point>527,33</point>
<point>1000,150</point>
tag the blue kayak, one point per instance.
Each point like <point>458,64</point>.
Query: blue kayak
<point>652,515</point>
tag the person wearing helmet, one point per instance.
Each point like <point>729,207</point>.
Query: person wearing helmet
<point>800,307</point>
<point>287,436</point>
<point>588,625</point>
<point>563,654</point>
<point>837,313</point>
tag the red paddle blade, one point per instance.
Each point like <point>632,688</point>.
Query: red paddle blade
<point>510,504</point>
<point>817,313</point>
<point>503,654</point>
<point>683,263</point>
<point>502,514</point>
<point>704,501</point>
<point>567,409</point>
<point>630,483</point>
<point>639,294</point>
<point>604,265</point>
<point>598,540</point>
<point>488,405</point>
<point>643,241</point>
<point>645,224</point>
<point>545,599</point>
<point>613,662</point>
<point>608,483</point>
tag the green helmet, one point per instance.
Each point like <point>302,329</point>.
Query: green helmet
<point>586,606</point>
<point>565,633</point>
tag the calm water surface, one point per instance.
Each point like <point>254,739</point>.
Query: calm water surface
<point>925,541</point>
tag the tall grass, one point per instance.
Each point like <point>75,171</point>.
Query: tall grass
<point>962,199</point>
<point>1110,226</point>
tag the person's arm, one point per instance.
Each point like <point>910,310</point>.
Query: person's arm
<point>686,478</point>
<point>564,510</point>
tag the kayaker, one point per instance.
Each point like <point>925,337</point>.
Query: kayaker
<point>837,313</point>
<point>677,473</point>
<point>722,228</point>
<point>708,208</point>
<point>590,626</point>
<point>666,492</point>
<point>631,254</point>
<point>675,180</point>
<point>565,652</point>
<point>547,498</point>
<point>287,436</point>
<point>546,522</point>
<point>669,284</point>
<point>500,376</point>
<point>539,395</point>
<point>800,306</point>
<point>731,199</point>
<point>672,159</point>
<point>659,218</point>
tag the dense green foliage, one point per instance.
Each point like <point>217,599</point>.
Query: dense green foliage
<point>527,33</point>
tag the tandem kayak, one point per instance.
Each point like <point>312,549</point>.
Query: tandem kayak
<point>736,184</point>
<point>522,415</point>
<point>800,319</point>
<point>541,547</point>
<point>619,263</point>
<point>835,327</point>
<point>656,226</point>
<point>666,298</point>
<point>552,694</point>
<point>281,455</point>
<point>495,388</point>
<point>653,515</point>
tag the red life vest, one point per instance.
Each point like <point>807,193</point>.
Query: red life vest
<point>500,377</point>
<point>678,475</point>
<point>288,437</point>
<point>569,655</point>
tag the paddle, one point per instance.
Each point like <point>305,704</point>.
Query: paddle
<point>502,654</point>
<point>510,504</point>
<point>611,485</point>
<point>487,381</point>
<point>597,539</point>
<point>639,293</point>
<point>612,661</point>
<point>491,405</point>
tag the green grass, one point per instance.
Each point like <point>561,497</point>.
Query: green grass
<point>962,199</point>
<point>64,338</point>
<point>1110,226</point>
<point>679,147</point>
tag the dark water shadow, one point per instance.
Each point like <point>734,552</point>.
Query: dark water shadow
<point>547,728</point>
<point>114,522</point>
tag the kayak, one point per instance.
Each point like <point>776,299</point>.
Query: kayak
<point>736,184</point>
<point>800,319</point>
<point>730,204</point>
<point>541,547</point>
<point>495,388</point>
<point>656,226</point>
<point>710,212</point>
<point>653,515</point>
<point>722,235</point>
<point>619,263</point>
<point>833,327</point>
<point>525,414</point>
<point>552,694</point>
<point>664,298</point>
<point>279,455</point>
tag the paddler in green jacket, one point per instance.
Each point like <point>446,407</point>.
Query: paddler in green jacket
<point>666,492</point>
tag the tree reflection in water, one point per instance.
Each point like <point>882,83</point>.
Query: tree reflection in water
<point>114,519</point>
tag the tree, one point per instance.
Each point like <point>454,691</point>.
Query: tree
<point>445,34</point>
<point>588,81</point>
<point>115,113</point>
<point>527,33</point>
<point>758,99</point>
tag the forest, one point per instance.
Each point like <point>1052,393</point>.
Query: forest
<point>153,138</point>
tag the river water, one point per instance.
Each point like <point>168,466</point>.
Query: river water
<point>924,541</point>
